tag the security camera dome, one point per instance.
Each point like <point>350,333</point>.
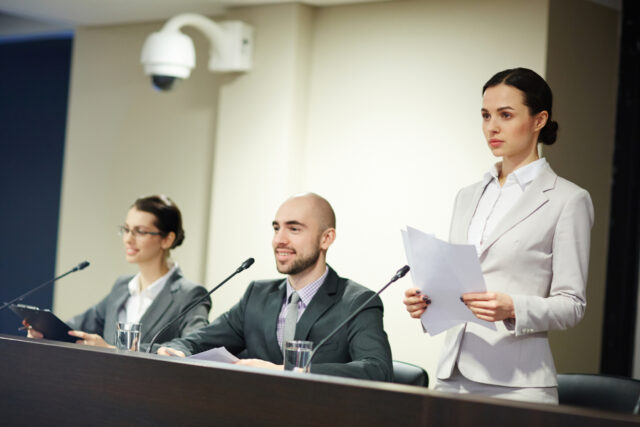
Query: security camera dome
<point>162,83</point>
<point>169,54</point>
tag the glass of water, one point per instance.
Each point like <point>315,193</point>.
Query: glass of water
<point>128,336</point>
<point>297,355</point>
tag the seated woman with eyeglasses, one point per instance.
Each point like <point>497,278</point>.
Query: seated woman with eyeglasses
<point>157,293</point>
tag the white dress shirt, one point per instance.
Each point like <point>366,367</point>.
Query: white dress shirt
<point>496,201</point>
<point>139,301</point>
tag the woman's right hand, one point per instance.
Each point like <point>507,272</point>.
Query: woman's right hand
<point>32,333</point>
<point>415,302</point>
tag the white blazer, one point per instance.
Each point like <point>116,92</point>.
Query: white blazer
<point>539,255</point>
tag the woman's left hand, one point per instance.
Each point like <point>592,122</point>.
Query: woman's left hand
<point>490,306</point>
<point>90,339</point>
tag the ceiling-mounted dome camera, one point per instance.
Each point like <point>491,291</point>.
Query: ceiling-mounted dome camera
<point>168,55</point>
<point>160,82</point>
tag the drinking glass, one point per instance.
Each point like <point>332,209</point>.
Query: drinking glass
<point>297,355</point>
<point>128,336</point>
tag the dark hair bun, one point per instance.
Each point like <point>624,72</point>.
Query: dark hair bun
<point>549,133</point>
<point>179,239</point>
<point>168,216</point>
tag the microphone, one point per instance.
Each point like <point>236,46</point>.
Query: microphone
<point>399,274</point>
<point>242,267</point>
<point>248,263</point>
<point>81,266</point>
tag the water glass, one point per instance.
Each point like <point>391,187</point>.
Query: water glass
<point>128,336</point>
<point>297,355</point>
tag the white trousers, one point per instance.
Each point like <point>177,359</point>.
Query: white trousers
<point>457,383</point>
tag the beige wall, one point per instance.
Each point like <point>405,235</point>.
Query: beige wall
<point>395,101</point>
<point>125,140</point>
<point>582,70</point>
<point>375,106</point>
<point>392,132</point>
<point>262,116</point>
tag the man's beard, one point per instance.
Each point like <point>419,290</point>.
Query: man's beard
<point>300,264</point>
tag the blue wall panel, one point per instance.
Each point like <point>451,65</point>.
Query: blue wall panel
<point>34,86</point>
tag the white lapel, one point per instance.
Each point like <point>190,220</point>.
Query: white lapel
<point>468,212</point>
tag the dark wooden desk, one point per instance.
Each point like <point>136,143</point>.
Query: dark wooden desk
<point>51,383</point>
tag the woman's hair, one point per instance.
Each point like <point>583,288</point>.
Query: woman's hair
<point>537,96</point>
<point>168,217</point>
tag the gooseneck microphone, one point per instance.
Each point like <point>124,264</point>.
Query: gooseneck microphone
<point>242,267</point>
<point>81,266</point>
<point>399,274</point>
<point>248,263</point>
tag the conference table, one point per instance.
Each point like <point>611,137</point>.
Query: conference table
<point>54,383</point>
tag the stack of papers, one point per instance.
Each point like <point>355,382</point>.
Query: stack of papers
<point>444,272</point>
<point>218,354</point>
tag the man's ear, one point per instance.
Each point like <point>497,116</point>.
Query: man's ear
<point>327,238</point>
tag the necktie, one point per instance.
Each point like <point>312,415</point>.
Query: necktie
<point>290,320</point>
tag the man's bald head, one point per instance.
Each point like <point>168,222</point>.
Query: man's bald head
<point>319,207</point>
<point>304,229</point>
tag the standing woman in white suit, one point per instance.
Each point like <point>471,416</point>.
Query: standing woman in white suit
<point>531,230</point>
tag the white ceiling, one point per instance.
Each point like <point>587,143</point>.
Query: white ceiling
<point>27,17</point>
<point>72,13</point>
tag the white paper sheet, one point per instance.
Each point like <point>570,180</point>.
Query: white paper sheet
<point>443,271</point>
<point>218,354</point>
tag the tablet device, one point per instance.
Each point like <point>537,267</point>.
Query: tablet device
<point>44,321</point>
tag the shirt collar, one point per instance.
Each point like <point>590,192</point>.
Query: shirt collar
<point>523,176</point>
<point>153,289</point>
<point>492,174</point>
<point>307,293</point>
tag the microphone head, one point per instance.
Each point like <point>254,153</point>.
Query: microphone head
<point>401,273</point>
<point>81,266</point>
<point>247,263</point>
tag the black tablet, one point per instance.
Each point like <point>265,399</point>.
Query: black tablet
<point>44,321</point>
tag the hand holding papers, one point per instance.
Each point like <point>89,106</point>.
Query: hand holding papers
<point>444,272</point>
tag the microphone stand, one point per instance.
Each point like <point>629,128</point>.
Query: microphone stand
<point>242,267</point>
<point>78,267</point>
<point>399,274</point>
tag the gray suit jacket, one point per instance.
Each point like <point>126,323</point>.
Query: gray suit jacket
<point>539,255</point>
<point>176,295</point>
<point>248,329</point>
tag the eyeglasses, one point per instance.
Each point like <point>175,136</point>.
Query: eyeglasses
<point>123,229</point>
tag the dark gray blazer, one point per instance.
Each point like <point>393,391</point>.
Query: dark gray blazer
<point>248,329</point>
<point>176,295</point>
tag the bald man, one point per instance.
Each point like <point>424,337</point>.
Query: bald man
<point>253,329</point>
